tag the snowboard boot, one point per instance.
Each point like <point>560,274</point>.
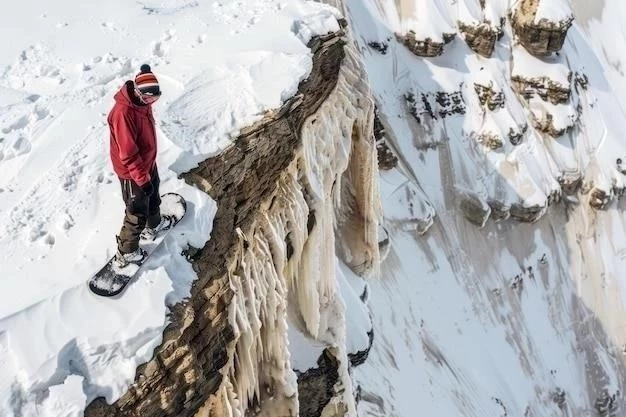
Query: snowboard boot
<point>150,233</point>
<point>124,259</point>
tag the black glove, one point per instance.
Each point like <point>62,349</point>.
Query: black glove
<point>147,188</point>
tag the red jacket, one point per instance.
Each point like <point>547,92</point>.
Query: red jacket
<point>133,138</point>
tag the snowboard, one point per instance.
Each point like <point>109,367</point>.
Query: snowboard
<point>111,279</point>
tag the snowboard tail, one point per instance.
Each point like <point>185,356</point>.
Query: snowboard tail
<point>111,280</point>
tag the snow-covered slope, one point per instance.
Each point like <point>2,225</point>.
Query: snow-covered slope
<point>501,291</point>
<point>221,65</point>
<point>511,318</point>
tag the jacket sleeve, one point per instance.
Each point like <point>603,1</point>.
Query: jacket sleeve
<point>125,132</point>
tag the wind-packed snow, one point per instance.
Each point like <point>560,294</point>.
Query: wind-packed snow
<point>554,10</point>
<point>553,68</point>
<point>221,66</point>
<point>428,19</point>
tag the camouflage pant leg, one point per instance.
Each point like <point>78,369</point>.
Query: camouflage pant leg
<point>141,210</point>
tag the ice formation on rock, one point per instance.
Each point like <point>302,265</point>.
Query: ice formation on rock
<point>325,205</point>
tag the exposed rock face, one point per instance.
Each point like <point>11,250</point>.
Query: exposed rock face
<point>499,211</point>
<point>491,140</point>
<point>527,214</point>
<point>386,159</point>
<point>436,105</point>
<point>552,92</point>
<point>474,209</point>
<point>547,126</point>
<point>425,47</point>
<point>570,184</point>
<point>542,87</point>
<point>542,37</point>
<point>565,94</point>
<point>482,38</point>
<point>316,385</point>
<point>202,361</point>
<point>599,199</point>
<point>380,46</point>
<point>516,135</point>
<point>490,98</point>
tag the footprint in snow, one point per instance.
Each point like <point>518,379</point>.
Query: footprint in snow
<point>39,234</point>
<point>13,146</point>
<point>16,127</point>
<point>161,48</point>
<point>19,124</point>
<point>66,223</point>
<point>49,240</point>
<point>36,233</point>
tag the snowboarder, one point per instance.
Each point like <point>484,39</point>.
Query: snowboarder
<point>133,153</point>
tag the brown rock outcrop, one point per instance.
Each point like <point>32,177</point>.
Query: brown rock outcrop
<point>516,135</point>
<point>474,209</point>
<point>542,87</point>
<point>570,184</point>
<point>489,97</point>
<point>425,47</point>
<point>546,125</point>
<point>482,38</point>
<point>491,140</point>
<point>552,92</point>
<point>386,158</point>
<point>599,199</point>
<point>527,214</point>
<point>317,385</point>
<point>436,105</point>
<point>540,38</point>
<point>499,211</point>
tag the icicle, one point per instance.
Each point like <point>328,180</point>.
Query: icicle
<point>290,255</point>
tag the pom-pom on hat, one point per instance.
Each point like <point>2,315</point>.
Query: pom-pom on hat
<point>146,82</point>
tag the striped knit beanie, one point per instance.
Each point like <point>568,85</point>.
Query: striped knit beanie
<point>146,82</point>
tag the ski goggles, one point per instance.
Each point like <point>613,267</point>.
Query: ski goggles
<point>148,98</point>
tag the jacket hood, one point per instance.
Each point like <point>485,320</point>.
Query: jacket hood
<point>123,97</point>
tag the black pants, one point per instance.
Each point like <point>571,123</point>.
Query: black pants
<point>141,211</point>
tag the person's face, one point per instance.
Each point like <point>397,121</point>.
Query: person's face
<point>148,98</point>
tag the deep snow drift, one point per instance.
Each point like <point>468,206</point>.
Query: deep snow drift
<point>221,65</point>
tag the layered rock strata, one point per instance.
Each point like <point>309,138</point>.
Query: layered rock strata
<point>489,97</point>
<point>543,87</point>
<point>482,38</point>
<point>435,105</point>
<point>427,47</point>
<point>386,158</point>
<point>540,36</point>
